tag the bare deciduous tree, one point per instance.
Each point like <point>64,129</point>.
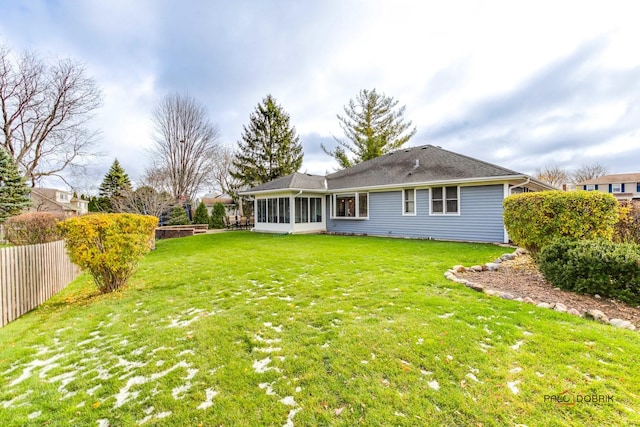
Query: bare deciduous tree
<point>186,145</point>
<point>552,175</point>
<point>44,113</point>
<point>222,177</point>
<point>145,200</point>
<point>587,172</point>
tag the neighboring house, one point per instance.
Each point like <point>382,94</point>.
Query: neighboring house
<point>625,186</point>
<point>231,209</point>
<point>420,192</point>
<point>52,200</point>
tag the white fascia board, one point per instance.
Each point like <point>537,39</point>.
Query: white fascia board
<point>425,184</point>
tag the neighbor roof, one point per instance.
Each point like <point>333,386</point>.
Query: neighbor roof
<point>426,163</point>
<point>295,181</point>
<point>613,179</point>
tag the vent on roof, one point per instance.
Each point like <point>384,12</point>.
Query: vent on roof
<point>417,164</point>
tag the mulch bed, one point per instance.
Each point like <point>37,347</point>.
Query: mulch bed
<point>521,278</point>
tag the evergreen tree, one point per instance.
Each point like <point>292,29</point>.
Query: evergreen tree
<point>217,215</point>
<point>270,147</point>
<point>178,216</point>
<point>372,126</point>
<point>14,192</point>
<point>114,186</point>
<point>201,216</point>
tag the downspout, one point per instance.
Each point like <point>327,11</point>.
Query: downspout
<point>520,185</point>
<point>506,235</point>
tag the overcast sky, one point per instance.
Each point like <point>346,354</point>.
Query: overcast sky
<point>520,84</point>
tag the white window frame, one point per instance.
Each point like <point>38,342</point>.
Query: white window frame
<point>444,201</point>
<point>404,202</point>
<point>591,187</point>
<point>616,188</point>
<point>334,204</point>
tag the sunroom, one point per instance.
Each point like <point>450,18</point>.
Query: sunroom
<point>285,212</point>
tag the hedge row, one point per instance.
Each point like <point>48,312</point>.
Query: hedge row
<point>593,267</point>
<point>533,220</point>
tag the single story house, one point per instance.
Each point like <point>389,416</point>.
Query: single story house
<point>57,201</point>
<point>421,192</point>
<point>624,186</point>
<point>230,207</point>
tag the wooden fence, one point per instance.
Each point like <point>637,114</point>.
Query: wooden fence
<point>30,275</point>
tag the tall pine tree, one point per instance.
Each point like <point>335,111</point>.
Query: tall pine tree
<point>373,127</point>
<point>114,187</point>
<point>14,192</point>
<point>270,147</point>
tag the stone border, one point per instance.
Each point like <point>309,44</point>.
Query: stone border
<point>557,306</point>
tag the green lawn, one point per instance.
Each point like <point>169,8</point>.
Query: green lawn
<point>242,329</point>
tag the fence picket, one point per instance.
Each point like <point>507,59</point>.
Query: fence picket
<point>30,275</point>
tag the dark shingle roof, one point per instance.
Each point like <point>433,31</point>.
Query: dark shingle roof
<point>426,163</point>
<point>423,164</point>
<point>295,181</point>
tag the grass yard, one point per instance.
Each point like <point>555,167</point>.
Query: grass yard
<point>241,329</point>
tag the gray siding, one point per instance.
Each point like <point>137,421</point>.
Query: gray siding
<point>480,217</point>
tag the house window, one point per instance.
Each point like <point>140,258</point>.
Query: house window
<point>315,209</point>
<point>616,188</point>
<point>444,200</point>
<point>274,210</point>
<point>283,210</point>
<point>590,187</point>
<point>409,202</point>
<point>354,205</point>
<point>262,210</point>
<point>308,209</point>
<point>302,210</point>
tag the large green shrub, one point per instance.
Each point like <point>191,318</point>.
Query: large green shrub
<point>109,246</point>
<point>33,228</point>
<point>217,214</point>
<point>593,267</point>
<point>178,216</point>
<point>201,216</point>
<point>535,219</point>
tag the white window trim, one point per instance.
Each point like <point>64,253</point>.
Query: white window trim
<point>591,187</point>
<point>616,188</point>
<point>415,204</point>
<point>444,201</point>
<point>357,206</point>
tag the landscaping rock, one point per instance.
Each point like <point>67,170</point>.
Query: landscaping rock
<point>529,300</point>
<point>621,323</point>
<point>544,305</point>
<point>560,307</point>
<point>475,286</point>
<point>490,292</point>
<point>476,268</point>
<point>596,315</point>
<point>596,296</point>
<point>519,299</point>
<point>505,295</point>
<point>449,275</point>
<point>573,311</point>
<point>507,257</point>
<point>521,251</point>
<point>497,261</point>
<point>458,269</point>
<point>462,281</point>
<point>491,266</point>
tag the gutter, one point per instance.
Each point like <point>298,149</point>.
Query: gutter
<point>520,185</point>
